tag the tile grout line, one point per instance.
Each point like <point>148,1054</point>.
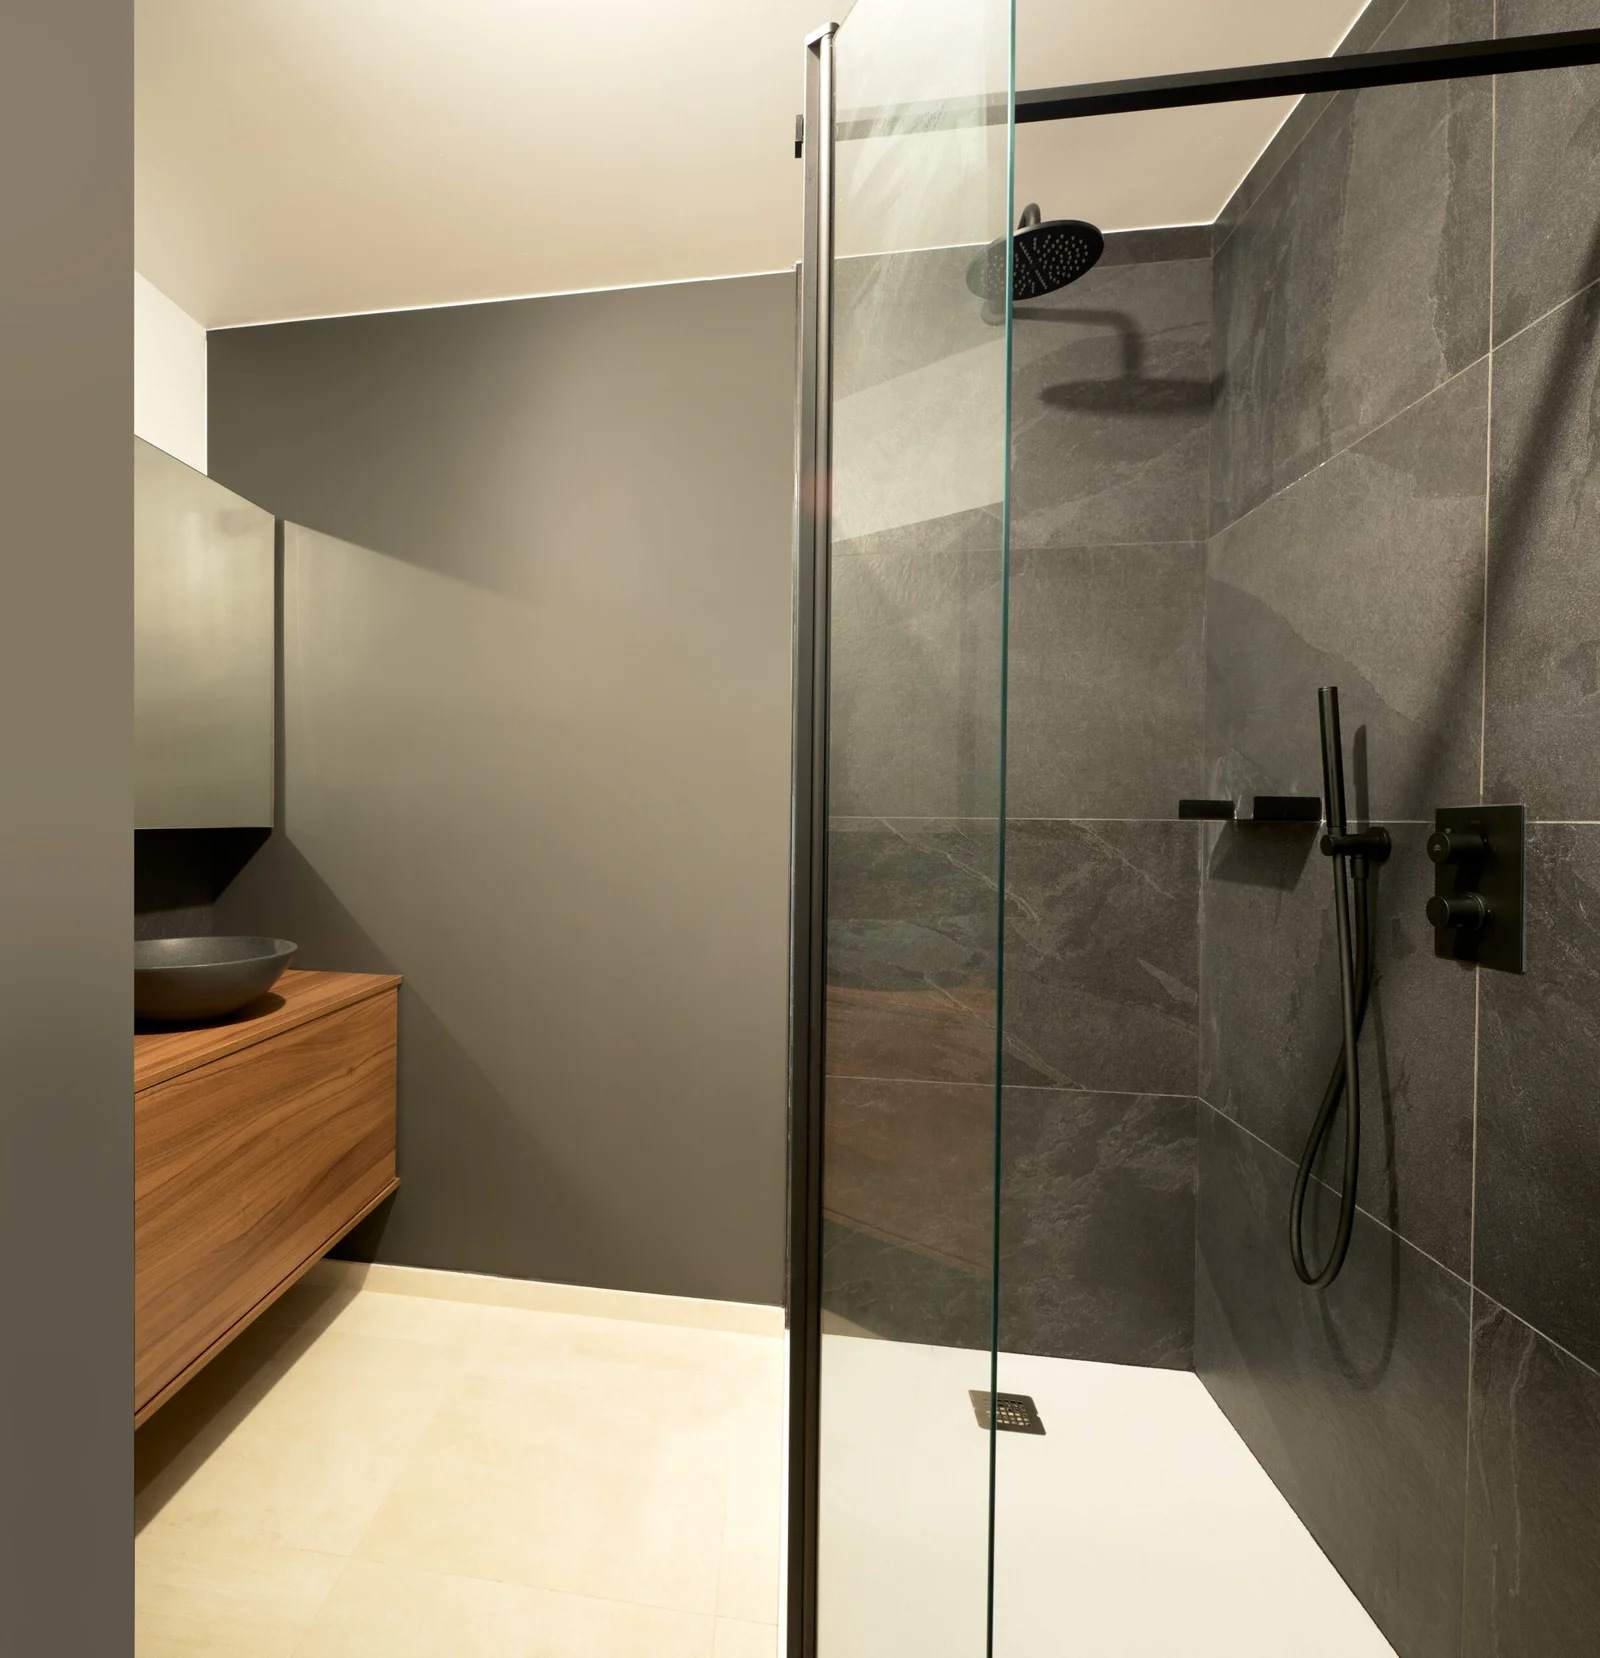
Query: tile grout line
<point>1549,1341</point>
<point>470,1358</point>
<point>1020,1087</point>
<point>1545,316</point>
<point>1483,761</point>
<point>1329,99</point>
<point>1377,1220</point>
<point>310,1628</point>
<point>1356,442</point>
<point>1488,453</point>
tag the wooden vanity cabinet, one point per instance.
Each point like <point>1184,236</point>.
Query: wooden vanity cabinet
<point>257,1145</point>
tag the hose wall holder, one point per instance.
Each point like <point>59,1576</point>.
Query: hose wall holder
<point>1372,844</point>
<point>1479,906</point>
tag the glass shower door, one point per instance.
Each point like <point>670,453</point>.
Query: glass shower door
<point>914,669</point>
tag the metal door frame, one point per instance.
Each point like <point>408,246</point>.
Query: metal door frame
<point>809,851</point>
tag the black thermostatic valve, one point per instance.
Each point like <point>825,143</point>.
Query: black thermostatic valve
<point>1478,905</point>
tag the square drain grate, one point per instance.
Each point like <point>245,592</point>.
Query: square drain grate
<point>1014,1412</point>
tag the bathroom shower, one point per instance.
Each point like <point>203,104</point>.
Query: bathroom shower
<point>1074,1026</point>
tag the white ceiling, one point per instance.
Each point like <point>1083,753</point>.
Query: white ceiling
<point>311,157</point>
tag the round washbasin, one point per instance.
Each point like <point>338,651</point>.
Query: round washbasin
<point>204,978</point>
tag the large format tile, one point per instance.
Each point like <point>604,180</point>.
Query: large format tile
<point>737,1638</point>
<point>1538,1187</point>
<point>874,1287</point>
<point>1367,575</point>
<point>915,684</point>
<point>896,313</point>
<point>1546,172</point>
<point>913,1163</point>
<point>212,1595</point>
<point>312,1460</point>
<point>1542,715</point>
<point>1354,1400</point>
<point>908,1209</point>
<point>1533,1496</point>
<point>378,1611</point>
<point>582,1473</point>
<point>1105,695</point>
<point>976,530</point>
<point>913,924</point>
<point>752,1518</point>
<point>1271,1025</point>
<point>1363,35</point>
<point>1111,408</point>
<point>1359,280</point>
<point>1101,955</point>
<point>1097,1226</point>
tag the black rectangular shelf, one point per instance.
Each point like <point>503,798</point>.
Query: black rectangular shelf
<point>1265,808</point>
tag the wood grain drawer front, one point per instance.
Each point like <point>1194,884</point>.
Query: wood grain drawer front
<point>246,1167</point>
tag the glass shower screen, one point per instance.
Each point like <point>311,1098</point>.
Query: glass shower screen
<point>915,672</point>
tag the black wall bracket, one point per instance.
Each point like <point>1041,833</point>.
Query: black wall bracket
<point>1478,907</point>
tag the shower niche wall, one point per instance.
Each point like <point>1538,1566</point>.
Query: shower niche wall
<point>1075,1039</point>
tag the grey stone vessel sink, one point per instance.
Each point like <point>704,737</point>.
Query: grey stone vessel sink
<point>183,979</point>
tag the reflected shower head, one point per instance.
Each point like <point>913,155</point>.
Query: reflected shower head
<point>1047,254</point>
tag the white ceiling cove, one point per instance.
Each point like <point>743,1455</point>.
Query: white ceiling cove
<point>312,157</point>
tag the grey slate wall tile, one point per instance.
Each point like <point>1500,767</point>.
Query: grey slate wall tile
<point>1354,1401</point>
<point>1547,172</point>
<point>1538,1190</point>
<point>1270,1026</point>
<point>1542,725</point>
<point>895,313</point>
<point>1364,35</point>
<point>1102,955</point>
<point>1352,290</point>
<point>900,1294</point>
<point>1359,280</point>
<point>908,1209</point>
<point>1533,1496</point>
<point>1111,408</point>
<point>1368,574</point>
<point>916,726</point>
<point>1105,681</point>
<point>1097,1226</point>
<point>913,918</point>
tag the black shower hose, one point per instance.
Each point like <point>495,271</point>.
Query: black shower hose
<point>1355,985</point>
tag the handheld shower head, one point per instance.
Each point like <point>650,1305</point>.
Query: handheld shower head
<point>1046,254</point>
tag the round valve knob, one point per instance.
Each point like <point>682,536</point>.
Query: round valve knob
<point>1466,914</point>
<point>1456,846</point>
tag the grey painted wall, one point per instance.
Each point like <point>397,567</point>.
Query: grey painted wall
<point>66,809</point>
<point>1408,338</point>
<point>535,732</point>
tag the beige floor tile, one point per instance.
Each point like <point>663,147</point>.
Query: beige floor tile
<point>738,1639</point>
<point>190,1426</point>
<point>713,1356</point>
<point>210,1596</point>
<point>753,1518</point>
<point>313,1458</point>
<point>589,1476</point>
<point>411,1318</point>
<point>392,1612</point>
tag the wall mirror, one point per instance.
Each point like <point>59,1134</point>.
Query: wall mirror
<point>203,650</point>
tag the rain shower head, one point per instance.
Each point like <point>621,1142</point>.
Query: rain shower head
<point>1047,254</point>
